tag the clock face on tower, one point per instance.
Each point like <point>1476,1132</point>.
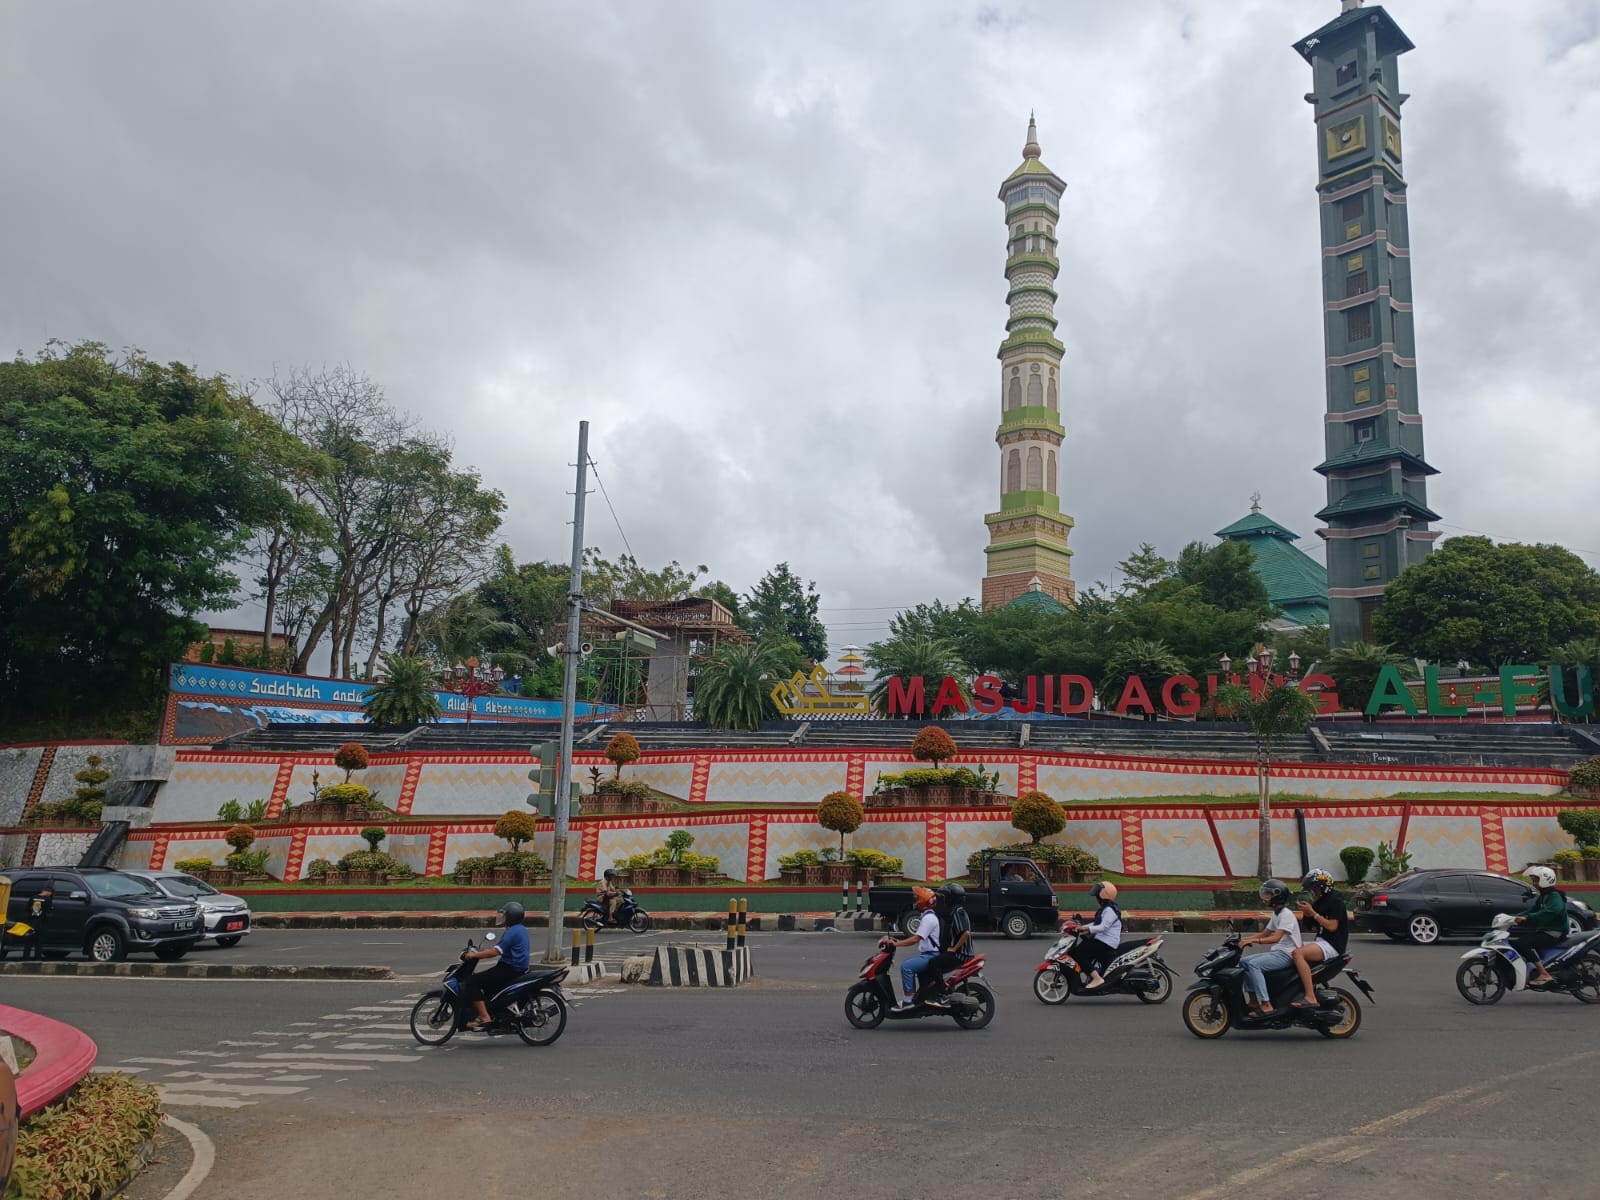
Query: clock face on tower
<point>1347,137</point>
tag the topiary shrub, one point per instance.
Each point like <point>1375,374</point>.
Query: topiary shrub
<point>349,794</point>
<point>319,868</point>
<point>240,837</point>
<point>372,835</point>
<point>1357,862</point>
<point>678,841</point>
<point>1582,824</point>
<point>933,744</point>
<point>516,827</point>
<point>1585,774</point>
<point>192,866</point>
<point>840,812</point>
<point>621,750</point>
<point>1038,816</point>
<point>351,757</point>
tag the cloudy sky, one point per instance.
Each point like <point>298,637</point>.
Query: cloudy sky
<point>757,245</point>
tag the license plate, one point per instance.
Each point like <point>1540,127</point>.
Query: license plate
<point>232,925</point>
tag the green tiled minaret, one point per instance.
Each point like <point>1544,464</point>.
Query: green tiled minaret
<point>1377,516</point>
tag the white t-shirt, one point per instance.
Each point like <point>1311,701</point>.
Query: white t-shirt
<point>1285,920</point>
<point>928,933</point>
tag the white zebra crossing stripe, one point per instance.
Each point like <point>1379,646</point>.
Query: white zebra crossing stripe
<point>267,1075</point>
<point>240,1089</point>
<point>327,1067</point>
<point>342,1058</point>
<point>353,1016</point>
<point>162,1062</point>
<point>193,1100</point>
<point>120,1070</point>
<point>225,1042</point>
<point>362,1046</point>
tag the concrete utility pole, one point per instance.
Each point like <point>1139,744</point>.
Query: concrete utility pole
<point>569,703</point>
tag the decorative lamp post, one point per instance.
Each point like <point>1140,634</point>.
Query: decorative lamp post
<point>1294,664</point>
<point>1227,665</point>
<point>471,679</point>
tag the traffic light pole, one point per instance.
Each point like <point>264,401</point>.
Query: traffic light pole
<point>569,704</point>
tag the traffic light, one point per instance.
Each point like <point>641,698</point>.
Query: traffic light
<point>543,777</point>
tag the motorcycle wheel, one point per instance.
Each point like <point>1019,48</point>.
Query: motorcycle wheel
<point>640,922</point>
<point>591,920</point>
<point>1052,985</point>
<point>863,1006</point>
<point>1349,1017</point>
<point>541,1018</point>
<point>968,1019</point>
<point>1205,1016</point>
<point>433,1019</point>
<point>1587,987</point>
<point>1479,982</point>
<point>1161,992</point>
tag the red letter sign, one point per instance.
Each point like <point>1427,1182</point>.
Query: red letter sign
<point>1186,705</point>
<point>1133,693</point>
<point>986,696</point>
<point>949,697</point>
<point>906,697</point>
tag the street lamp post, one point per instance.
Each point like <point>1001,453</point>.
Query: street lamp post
<point>471,679</point>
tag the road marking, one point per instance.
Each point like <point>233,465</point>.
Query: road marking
<point>303,1024</point>
<point>120,1070</point>
<point>341,1068</point>
<point>351,1016</point>
<point>343,1058</point>
<point>266,1073</point>
<point>207,1053</point>
<point>225,1042</point>
<point>1348,1154</point>
<point>239,1089</point>
<point>370,1036</point>
<point>362,1046</point>
<point>205,1157</point>
<point>163,1062</point>
<point>191,1100</point>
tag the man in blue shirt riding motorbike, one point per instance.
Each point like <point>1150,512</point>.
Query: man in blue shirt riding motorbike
<point>514,952</point>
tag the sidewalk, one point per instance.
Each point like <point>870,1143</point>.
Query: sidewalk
<point>1135,921</point>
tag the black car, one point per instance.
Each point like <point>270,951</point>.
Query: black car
<point>1423,906</point>
<point>101,913</point>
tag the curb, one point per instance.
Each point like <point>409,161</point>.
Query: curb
<point>63,1057</point>
<point>161,970</point>
<point>469,920</point>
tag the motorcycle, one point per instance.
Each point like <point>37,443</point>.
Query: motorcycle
<point>962,994</point>
<point>1496,967</point>
<point>530,1006</point>
<point>1216,1000</point>
<point>629,915</point>
<point>1137,970</point>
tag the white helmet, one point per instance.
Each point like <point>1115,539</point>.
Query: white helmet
<point>1543,877</point>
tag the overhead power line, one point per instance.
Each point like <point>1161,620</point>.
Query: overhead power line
<point>609,505</point>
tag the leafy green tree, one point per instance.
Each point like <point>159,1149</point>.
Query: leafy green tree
<point>1579,652</point>
<point>1355,667</point>
<point>1278,713</point>
<point>1491,605</point>
<point>937,620</point>
<point>605,581</point>
<point>1142,570</point>
<point>734,687</point>
<point>723,594</point>
<point>515,827</point>
<point>126,490</point>
<point>780,605</point>
<point>403,694</point>
<point>1224,577</point>
<point>842,813</point>
<point>906,658</point>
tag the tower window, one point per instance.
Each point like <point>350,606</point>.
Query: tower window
<point>1035,469</point>
<point>1358,323</point>
<point>1014,393</point>
<point>1353,208</point>
<point>1366,431</point>
<point>1035,392</point>
<point>1014,471</point>
<point>1374,571</point>
<point>1346,73</point>
<point>1370,550</point>
<point>1355,284</point>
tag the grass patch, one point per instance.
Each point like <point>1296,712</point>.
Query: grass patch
<point>87,1144</point>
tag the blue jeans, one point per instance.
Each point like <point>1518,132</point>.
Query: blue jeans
<point>1256,967</point>
<point>909,971</point>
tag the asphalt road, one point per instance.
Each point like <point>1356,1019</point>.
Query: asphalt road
<point>765,1091</point>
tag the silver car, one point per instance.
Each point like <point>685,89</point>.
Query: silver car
<point>227,918</point>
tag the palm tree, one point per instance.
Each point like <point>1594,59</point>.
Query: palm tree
<point>1148,658</point>
<point>910,656</point>
<point>1279,712</point>
<point>403,694</point>
<point>734,685</point>
<point>464,627</point>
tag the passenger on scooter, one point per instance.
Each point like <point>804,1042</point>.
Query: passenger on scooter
<point>955,934</point>
<point>1542,924</point>
<point>610,895</point>
<point>1327,912</point>
<point>1283,932</point>
<point>1104,935</point>
<point>514,953</point>
<point>926,939</point>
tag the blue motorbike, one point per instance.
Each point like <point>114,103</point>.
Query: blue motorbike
<point>530,1006</point>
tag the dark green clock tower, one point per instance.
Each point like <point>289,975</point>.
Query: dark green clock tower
<point>1377,516</point>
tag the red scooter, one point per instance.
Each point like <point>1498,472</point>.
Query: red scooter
<point>963,994</point>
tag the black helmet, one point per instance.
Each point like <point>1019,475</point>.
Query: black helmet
<point>1275,892</point>
<point>513,913</point>
<point>953,893</point>
<point>1317,881</point>
<point>610,873</point>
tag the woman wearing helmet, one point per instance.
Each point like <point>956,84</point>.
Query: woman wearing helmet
<point>1283,932</point>
<point>925,939</point>
<point>1542,924</point>
<point>514,953</point>
<point>1326,911</point>
<point>1104,934</point>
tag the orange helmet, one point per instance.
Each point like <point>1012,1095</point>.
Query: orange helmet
<point>924,897</point>
<point>1104,891</point>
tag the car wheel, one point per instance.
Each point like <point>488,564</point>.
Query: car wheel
<point>1574,926</point>
<point>906,925</point>
<point>173,951</point>
<point>232,940</point>
<point>1423,929</point>
<point>106,945</point>
<point>1017,925</point>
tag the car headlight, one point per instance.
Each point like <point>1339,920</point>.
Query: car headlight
<point>142,914</point>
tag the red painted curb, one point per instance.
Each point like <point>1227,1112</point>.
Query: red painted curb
<point>63,1058</point>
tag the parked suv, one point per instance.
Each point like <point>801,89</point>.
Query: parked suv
<point>1423,906</point>
<point>103,914</point>
<point>227,918</point>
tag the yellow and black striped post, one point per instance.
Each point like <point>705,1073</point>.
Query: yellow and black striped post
<point>588,945</point>
<point>733,921</point>
<point>577,936</point>
<point>744,915</point>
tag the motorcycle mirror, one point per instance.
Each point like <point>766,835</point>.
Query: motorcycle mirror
<point>489,937</point>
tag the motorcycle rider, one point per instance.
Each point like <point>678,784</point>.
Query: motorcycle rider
<point>1282,931</point>
<point>926,939</point>
<point>1104,935</point>
<point>1542,924</point>
<point>513,951</point>
<point>610,894</point>
<point>1327,913</point>
<point>955,934</point>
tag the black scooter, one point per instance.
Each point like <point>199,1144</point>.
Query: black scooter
<point>1216,1000</point>
<point>629,915</point>
<point>530,1006</point>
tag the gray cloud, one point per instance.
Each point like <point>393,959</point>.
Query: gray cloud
<point>757,245</point>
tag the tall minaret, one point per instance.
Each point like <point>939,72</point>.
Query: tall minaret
<point>1377,513</point>
<point>1028,537</point>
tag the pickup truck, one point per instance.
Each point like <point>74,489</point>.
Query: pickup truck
<point>1013,897</point>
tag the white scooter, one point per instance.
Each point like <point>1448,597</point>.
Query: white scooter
<point>1496,966</point>
<point>1137,970</point>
